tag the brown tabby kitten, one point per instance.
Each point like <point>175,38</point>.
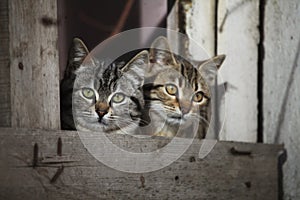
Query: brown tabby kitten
<point>177,90</point>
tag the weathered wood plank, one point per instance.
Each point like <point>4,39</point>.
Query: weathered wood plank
<point>196,19</point>
<point>281,86</point>
<point>200,26</point>
<point>34,66</point>
<point>5,117</point>
<point>221,175</point>
<point>238,38</point>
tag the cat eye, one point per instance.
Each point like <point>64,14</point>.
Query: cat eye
<point>88,93</point>
<point>198,97</point>
<point>118,98</point>
<point>171,89</point>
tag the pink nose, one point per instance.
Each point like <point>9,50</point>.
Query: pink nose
<point>185,107</point>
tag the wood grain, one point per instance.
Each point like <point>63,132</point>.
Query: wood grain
<point>221,175</point>
<point>200,27</point>
<point>281,86</point>
<point>238,37</point>
<point>5,117</point>
<point>34,74</point>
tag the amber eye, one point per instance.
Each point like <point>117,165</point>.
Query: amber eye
<point>198,97</point>
<point>171,89</point>
<point>118,97</point>
<point>88,93</point>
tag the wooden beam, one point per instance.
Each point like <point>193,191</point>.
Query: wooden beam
<point>238,38</point>
<point>200,27</point>
<point>281,92</point>
<point>195,19</point>
<point>34,66</point>
<point>5,110</point>
<point>230,171</point>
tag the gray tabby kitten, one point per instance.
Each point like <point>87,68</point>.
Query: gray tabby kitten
<point>178,91</point>
<point>106,98</point>
<point>77,53</point>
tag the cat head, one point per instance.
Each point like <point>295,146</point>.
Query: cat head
<point>108,97</point>
<point>179,88</point>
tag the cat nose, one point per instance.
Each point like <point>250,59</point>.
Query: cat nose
<point>185,107</point>
<point>101,113</point>
<point>101,109</point>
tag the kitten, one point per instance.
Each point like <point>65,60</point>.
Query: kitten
<point>106,98</point>
<point>77,54</point>
<point>177,90</point>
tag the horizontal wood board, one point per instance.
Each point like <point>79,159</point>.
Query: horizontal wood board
<point>220,175</point>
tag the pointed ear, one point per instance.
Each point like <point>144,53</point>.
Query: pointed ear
<point>160,52</point>
<point>135,68</point>
<point>77,54</point>
<point>209,68</point>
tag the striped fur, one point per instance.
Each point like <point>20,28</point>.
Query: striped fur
<point>189,78</point>
<point>90,90</point>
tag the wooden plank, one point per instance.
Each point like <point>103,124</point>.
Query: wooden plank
<point>221,175</point>
<point>281,86</point>
<point>200,26</point>
<point>34,64</point>
<point>238,38</point>
<point>4,66</point>
<point>196,20</point>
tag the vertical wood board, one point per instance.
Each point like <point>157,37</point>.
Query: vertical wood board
<point>5,117</point>
<point>200,27</point>
<point>282,86</point>
<point>238,37</point>
<point>34,64</point>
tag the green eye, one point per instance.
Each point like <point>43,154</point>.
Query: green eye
<point>198,97</point>
<point>171,89</point>
<point>88,93</point>
<point>118,98</point>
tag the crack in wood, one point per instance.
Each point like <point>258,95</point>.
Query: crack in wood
<point>229,12</point>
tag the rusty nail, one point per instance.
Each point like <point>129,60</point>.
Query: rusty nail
<point>248,184</point>
<point>21,66</point>
<point>59,147</point>
<point>57,174</point>
<point>35,155</point>
<point>142,179</point>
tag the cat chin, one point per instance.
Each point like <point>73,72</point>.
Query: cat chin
<point>174,120</point>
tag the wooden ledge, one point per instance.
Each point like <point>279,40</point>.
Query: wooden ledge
<point>68,171</point>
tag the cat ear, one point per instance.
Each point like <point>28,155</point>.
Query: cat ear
<point>135,68</point>
<point>161,52</point>
<point>209,68</point>
<point>77,54</point>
